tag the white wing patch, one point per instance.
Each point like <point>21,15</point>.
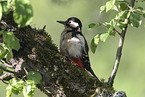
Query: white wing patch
<point>74,47</point>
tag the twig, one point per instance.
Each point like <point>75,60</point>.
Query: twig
<point>6,76</point>
<point>119,52</point>
<point>132,2</point>
<point>8,70</point>
<point>118,56</point>
<point>5,82</point>
<point>117,32</point>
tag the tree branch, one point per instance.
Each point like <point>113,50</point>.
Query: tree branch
<point>132,3</point>
<point>116,32</point>
<point>119,51</point>
<point>8,70</point>
<point>118,56</point>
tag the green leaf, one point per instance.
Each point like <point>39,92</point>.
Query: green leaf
<point>35,76</point>
<point>94,43</point>
<point>119,15</point>
<point>1,32</point>
<point>140,8</point>
<point>11,41</point>
<point>112,24</point>
<point>135,20</point>
<point>128,14</point>
<point>28,90</point>
<point>110,29</point>
<point>93,25</point>
<point>0,11</point>
<point>109,5</point>
<point>115,8</point>
<point>23,13</point>
<point>102,9</point>
<point>3,50</point>
<point>104,36</point>
<point>144,15</point>
<point>123,6</point>
<point>9,55</point>
<point>9,91</point>
<point>3,53</point>
<point>11,3</point>
<point>15,86</point>
<point>1,71</point>
<point>6,7</point>
<point>112,33</point>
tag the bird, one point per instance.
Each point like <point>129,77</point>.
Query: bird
<point>74,45</point>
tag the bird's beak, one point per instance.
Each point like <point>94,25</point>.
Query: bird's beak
<point>62,22</point>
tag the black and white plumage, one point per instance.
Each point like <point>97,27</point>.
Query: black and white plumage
<point>74,45</point>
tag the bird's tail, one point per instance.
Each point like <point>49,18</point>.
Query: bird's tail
<point>86,64</point>
<point>92,72</point>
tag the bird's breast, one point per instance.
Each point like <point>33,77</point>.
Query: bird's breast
<point>74,46</point>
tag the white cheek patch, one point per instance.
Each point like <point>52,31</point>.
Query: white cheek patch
<point>74,24</point>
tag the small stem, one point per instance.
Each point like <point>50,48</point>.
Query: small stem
<point>8,70</point>
<point>117,32</point>
<point>118,57</point>
<point>132,2</point>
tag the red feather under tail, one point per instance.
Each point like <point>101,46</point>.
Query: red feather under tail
<point>78,62</point>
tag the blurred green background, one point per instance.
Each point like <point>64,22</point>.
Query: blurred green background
<point>131,74</point>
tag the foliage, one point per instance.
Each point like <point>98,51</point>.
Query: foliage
<point>34,76</point>
<point>23,12</point>
<point>22,15</point>
<point>17,86</point>
<point>124,11</point>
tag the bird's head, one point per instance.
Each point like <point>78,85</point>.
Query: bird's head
<point>72,22</point>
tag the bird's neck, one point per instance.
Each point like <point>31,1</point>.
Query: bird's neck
<point>77,29</point>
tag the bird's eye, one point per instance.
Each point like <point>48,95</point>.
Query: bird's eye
<point>69,22</point>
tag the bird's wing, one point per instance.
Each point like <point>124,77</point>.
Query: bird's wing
<point>84,42</point>
<point>85,57</point>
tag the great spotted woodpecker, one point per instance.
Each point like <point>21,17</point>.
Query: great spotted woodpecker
<point>74,45</point>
